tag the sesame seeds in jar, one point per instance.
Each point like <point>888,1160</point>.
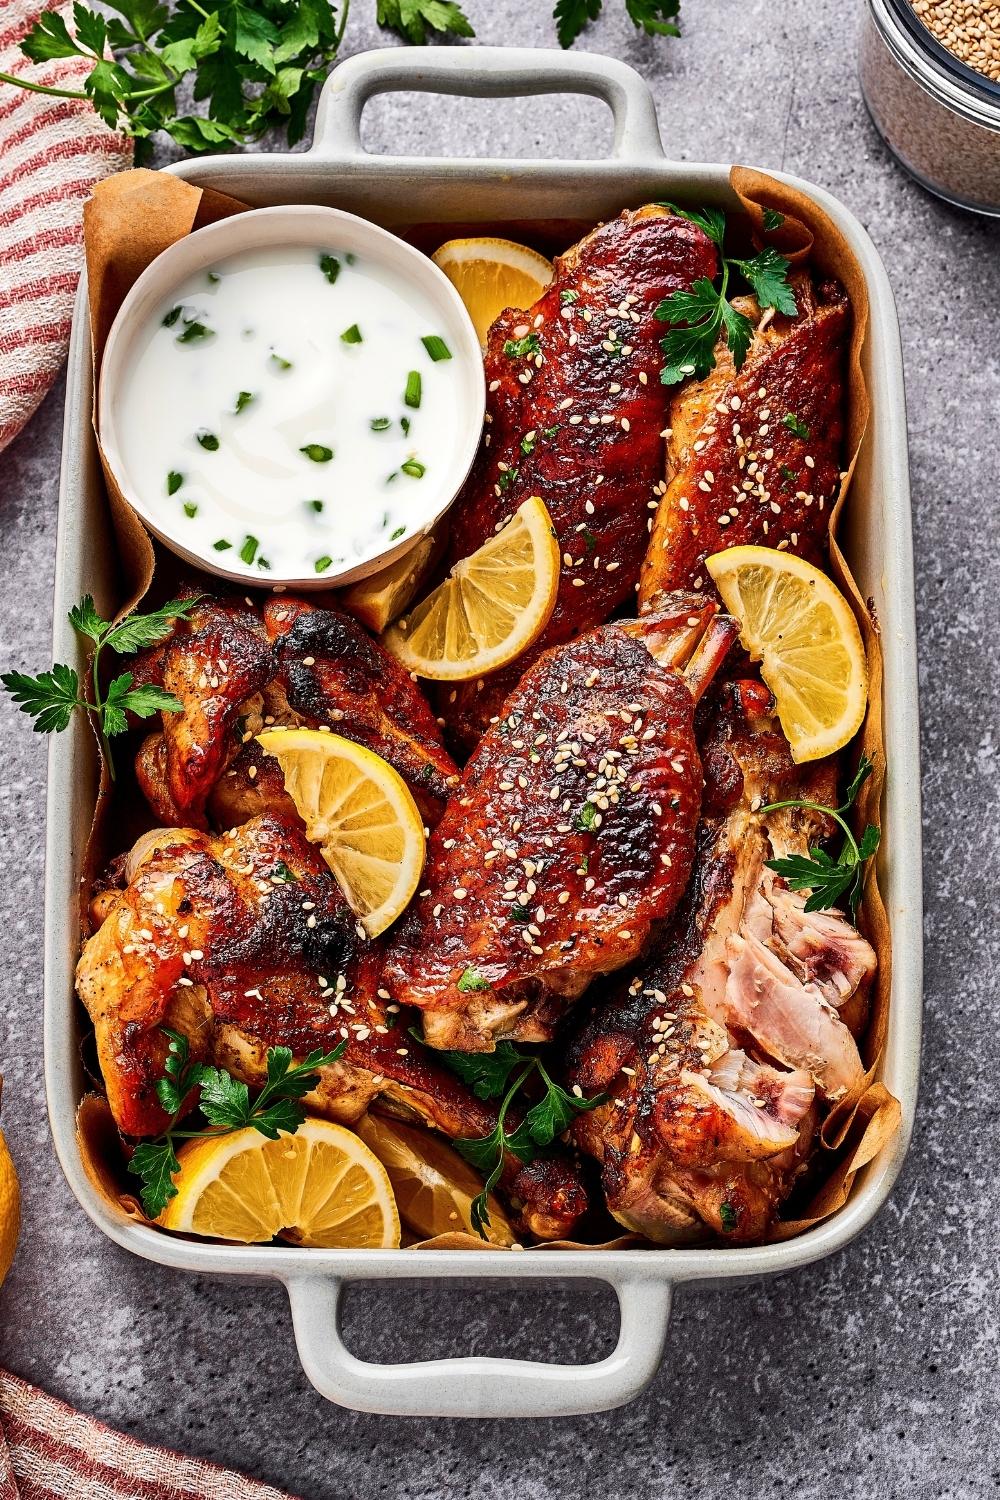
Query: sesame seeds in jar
<point>930,76</point>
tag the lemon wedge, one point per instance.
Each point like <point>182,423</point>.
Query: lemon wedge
<point>10,1207</point>
<point>433,1185</point>
<point>319,1187</point>
<point>490,608</point>
<point>798,625</point>
<point>491,274</point>
<point>360,812</point>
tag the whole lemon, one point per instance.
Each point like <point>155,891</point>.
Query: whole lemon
<point>10,1207</point>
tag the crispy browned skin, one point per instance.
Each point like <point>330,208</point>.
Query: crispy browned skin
<point>579,423</point>
<point>736,473</point>
<point>571,833</point>
<point>236,668</point>
<point>245,942</point>
<point>715,1050</point>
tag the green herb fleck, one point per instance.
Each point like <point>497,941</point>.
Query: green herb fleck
<point>728,1217</point>
<point>330,266</point>
<point>171,317</point>
<point>528,443</point>
<point>550,432</point>
<point>568,297</point>
<point>208,440</point>
<point>586,818</point>
<point>471,980</point>
<point>507,478</point>
<point>519,913</point>
<point>213,277</point>
<point>399,531</point>
<point>772,219</point>
<point>316,505</point>
<point>525,348</point>
<point>414,468</point>
<point>796,425</point>
<point>193,332</point>
<point>280,361</point>
<point>190,509</point>
<point>249,549</point>
<point>174,482</point>
<point>788,476</point>
<point>317,452</point>
<point>436,347</point>
<point>380,424</point>
<point>351,335</point>
<point>282,875</point>
<point>404,423</point>
<point>322,563</point>
<point>414,386</point>
<point>221,545</point>
<point>243,399</point>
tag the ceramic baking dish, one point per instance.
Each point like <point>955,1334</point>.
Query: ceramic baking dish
<point>394,190</point>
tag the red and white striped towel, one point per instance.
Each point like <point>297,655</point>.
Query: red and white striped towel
<point>52,151</point>
<point>48,1451</point>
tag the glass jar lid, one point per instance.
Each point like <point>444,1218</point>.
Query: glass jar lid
<point>931,63</point>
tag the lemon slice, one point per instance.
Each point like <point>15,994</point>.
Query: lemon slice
<point>801,629</point>
<point>361,813</point>
<point>434,1187</point>
<point>491,274</point>
<point>319,1187</point>
<point>10,1208</point>
<point>491,606</point>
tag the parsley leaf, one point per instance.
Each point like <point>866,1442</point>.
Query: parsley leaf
<point>51,697</point>
<point>525,348</point>
<point>485,1072</point>
<point>226,1104</point>
<point>412,19</point>
<point>772,219</point>
<point>827,879</point>
<point>698,316</point>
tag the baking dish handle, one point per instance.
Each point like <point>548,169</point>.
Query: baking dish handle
<point>480,1386</point>
<point>485,73</point>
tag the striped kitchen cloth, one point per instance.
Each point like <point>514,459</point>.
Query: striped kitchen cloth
<point>48,1451</point>
<point>52,151</point>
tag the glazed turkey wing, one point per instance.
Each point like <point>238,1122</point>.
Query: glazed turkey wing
<point>575,414</point>
<point>755,457</point>
<point>244,942</point>
<point>234,667</point>
<point>572,831</point>
<point>718,1052</point>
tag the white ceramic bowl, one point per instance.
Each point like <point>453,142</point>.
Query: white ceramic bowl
<point>316,227</point>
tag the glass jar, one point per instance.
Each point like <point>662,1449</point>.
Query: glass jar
<point>939,118</point>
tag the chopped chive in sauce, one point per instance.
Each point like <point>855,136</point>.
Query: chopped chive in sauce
<point>193,332</point>
<point>317,452</point>
<point>404,422</point>
<point>389,478</point>
<point>262,562</point>
<point>330,266</point>
<point>208,440</point>
<point>249,549</point>
<point>380,424</point>
<point>174,482</point>
<point>279,361</point>
<point>351,335</point>
<point>243,399</point>
<point>399,531</point>
<point>190,509</point>
<point>221,545</point>
<point>414,386</point>
<point>436,347</point>
<point>322,563</point>
<point>316,505</point>
<point>171,317</point>
<point>414,468</point>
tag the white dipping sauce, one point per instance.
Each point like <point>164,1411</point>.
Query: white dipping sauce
<point>282,413</point>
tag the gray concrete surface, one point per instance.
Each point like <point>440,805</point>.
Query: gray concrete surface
<point>872,1374</point>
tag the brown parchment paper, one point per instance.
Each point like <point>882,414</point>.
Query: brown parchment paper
<point>128,221</point>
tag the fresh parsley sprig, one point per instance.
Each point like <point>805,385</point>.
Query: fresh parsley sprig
<point>254,64</point>
<point>225,1102</point>
<point>489,1075</point>
<point>831,880</point>
<point>699,315</point>
<point>51,697</point>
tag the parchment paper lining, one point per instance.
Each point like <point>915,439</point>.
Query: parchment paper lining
<point>129,220</point>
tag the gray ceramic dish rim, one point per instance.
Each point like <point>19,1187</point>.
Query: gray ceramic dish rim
<point>643,1280</point>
